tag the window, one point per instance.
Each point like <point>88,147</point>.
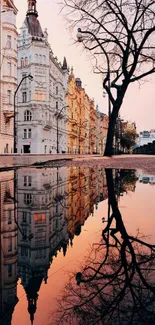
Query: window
<point>24,233</point>
<point>24,34</point>
<point>40,59</point>
<point>22,62</point>
<point>24,217</point>
<point>10,244</point>
<point>24,251</point>
<point>57,105</point>
<point>27,133</point>
<point>57,90</point>
<point>24,81</point>
<point>24,96</point>
<point>10,270</point>
<point>9,96</point>
<point>27,116</point>
<point>15,44</point>
<point>39,218</point>
<point>29,95</point>
<point>9,217</point>
<point>9,69</point>
<point>8,41</point>
<point>27,180</point>
<point>44,59</point>
<point>27,198</point>
<point>26,61</point>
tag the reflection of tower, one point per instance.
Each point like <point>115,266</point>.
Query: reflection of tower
<point>8,251</point>
<point>42,227</point>
<point>32,295</point>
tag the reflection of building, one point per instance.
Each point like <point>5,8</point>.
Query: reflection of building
<point>40,101</point>
<point>86,188</point>
<point>8,251</point>
<point>8,75</point>
<point>43,227</point>
<point>53,205</point>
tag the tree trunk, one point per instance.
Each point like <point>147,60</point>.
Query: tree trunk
<point>112,120</point>
<point>111,129</point>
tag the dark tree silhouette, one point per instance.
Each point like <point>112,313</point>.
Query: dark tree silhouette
<point>120,35</point>
<point>117,283</point>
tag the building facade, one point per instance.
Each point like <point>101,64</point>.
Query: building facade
<point>40,126</point>
<point>8,75</point>
<point>145,137</point>
<point>87,126</point>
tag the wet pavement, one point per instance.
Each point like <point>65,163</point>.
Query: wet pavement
<point>142,162</point>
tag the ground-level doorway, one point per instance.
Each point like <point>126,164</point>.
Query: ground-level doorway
<point>26,149</point>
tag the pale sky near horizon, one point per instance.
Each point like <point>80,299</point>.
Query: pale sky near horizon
<point>138,104</point>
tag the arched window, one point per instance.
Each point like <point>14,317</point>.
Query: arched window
<point>36,58</point>
<point>22,62</point>
<point>27,116</point>
<point>40,59</point>
<point>44,59</point>
<point>26,61</point>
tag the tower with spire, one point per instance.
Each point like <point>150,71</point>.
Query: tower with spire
<point>32,8</point>
<point>40,101</point>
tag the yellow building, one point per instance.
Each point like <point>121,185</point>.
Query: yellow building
<point>86,126</point>
<point>78,126</point>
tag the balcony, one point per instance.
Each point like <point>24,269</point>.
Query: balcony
<point>72,121</point>
<point>47,126</point>
<point>74,131</point>
<point>8,114</point>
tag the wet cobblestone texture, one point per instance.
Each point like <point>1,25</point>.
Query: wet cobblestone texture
<point>141,162</point>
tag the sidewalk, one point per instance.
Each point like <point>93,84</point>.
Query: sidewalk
<point>141,162</point>
<point>23,160</point>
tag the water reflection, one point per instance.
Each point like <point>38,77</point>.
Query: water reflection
<point>47,208</point>
<point>8,241</point>
<point>116,285</point>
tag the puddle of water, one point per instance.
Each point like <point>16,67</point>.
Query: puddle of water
<point>50,218</point>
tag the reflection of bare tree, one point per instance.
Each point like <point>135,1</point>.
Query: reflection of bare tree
<point>117,283</point>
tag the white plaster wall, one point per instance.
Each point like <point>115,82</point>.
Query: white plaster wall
<point>8,28</point>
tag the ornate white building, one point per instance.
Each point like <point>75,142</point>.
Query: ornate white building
<point>40,101</point>
<point>8,74</point>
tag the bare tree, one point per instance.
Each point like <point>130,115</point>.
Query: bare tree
<point>116,286</point>
<point>120,35</point>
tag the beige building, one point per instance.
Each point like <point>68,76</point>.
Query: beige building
<point>8,82</point>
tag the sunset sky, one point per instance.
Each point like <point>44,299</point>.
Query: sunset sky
<point>138,104</point>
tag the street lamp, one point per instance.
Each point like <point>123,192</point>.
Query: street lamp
<point>14,127</point>
<point>57,117</point>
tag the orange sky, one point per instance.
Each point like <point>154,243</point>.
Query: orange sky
<point>138,105</point>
